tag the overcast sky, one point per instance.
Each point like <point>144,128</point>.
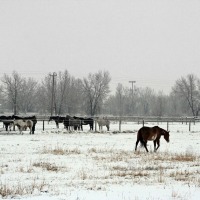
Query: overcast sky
<point>153,42</point>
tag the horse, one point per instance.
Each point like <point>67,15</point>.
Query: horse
<point>7,120</point>
<point>90,122</point>
<point>72,122</point>
<point>32,118</point>
<point>151,133</point>
<point>86,121</point>
<point>57,119</point>
<point>23,124</point>
<point>103,122</point>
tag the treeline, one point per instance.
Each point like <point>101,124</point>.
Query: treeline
<point>61,94</point>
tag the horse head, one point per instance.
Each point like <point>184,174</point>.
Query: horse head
<point>50,118</point>
<point>166,135</point>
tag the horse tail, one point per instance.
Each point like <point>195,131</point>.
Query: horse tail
<point>142,143</point>
<point>140,138</point>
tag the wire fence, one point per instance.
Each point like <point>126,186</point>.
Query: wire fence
<point>129,123</point>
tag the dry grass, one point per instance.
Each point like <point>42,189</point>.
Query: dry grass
<point>184,157</point>
<point>47,166</point>
<point>19,188</point>
<point>129,174</point>
<point>101,166</point>
<point>60,151</point>
<point>166,156</point>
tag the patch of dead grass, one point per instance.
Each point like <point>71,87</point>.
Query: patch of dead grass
<point>19,188</point>
<point>47,166</point>
<point>60,151</point>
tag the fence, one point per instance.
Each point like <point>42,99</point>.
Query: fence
<point>189,121</point>
<point>118,122</point>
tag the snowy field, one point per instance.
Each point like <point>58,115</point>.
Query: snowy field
<point>58,165</point>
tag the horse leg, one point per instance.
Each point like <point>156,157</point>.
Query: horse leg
<point>136,144</point>
<point>6,126</point>
<point>10,126</point>
<point>30,129</point>
<point>91,127</point>
<point>107,127</point>
<point>158,143</point>
<point>21,130</point>
<point>33,129</point>
<point>154,142</point>
<point>145,145</point>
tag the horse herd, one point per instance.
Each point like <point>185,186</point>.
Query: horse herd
<point>21,122</point>
<point>144,134</point>
<point>76,123</point>
<point>70,123</point>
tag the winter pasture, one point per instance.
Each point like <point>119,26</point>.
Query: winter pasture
<point>58,165</point>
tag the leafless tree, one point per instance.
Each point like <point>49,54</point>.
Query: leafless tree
<point>1,99</point>
<point>96,89</point>
<point>12,87</point>
<point>120,97</point>
<point>62,91</point>
<point>188,88</point>
<point>28,97</point>
<point>43,96</point>
<point>159,105</point>
<point>146,97</point>
<point>75,99</point>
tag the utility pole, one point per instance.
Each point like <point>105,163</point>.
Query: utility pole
<point>132,82</point>
<point>53,108</point>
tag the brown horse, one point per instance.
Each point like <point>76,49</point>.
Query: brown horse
<point>154,134</point>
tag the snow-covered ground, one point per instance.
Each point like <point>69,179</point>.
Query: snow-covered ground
<point>54,164</point>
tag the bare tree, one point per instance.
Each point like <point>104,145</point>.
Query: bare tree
<point>12,87</point>
<point>159,106</point>
<point>62,91</point>
<point>28,97</point>
<point>1,99</point>
<point>188,88</point>
<point>120,97</point>
<point>96,89</point>
<point>43,96</point>
<point>146,97</point>
<point>76,98</point>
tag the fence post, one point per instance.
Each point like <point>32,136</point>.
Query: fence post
<point>95,125</point>
<point>120,122</point>
<point>167,125</point>
<point>143,122</point>
<point>189,125</point>
<point>43,125</point>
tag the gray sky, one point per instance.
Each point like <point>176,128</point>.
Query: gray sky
<point>153,42</point>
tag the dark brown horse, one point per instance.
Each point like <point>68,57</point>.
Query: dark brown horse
<point>153,134</point>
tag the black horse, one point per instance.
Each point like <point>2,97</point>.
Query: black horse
<point>86,121</point>
<point>57,119</point>
<point>75,123</point>
<point>7,120</point>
